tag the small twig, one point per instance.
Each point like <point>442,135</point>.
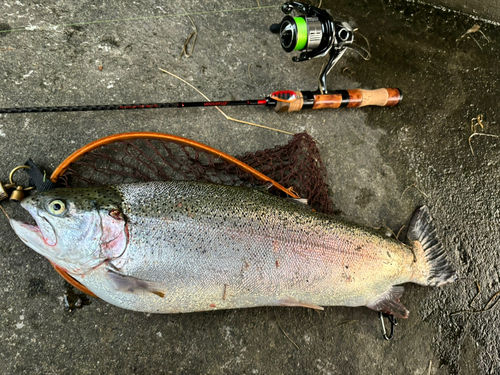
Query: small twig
<point>430,367</point>
<point>225,291</point>
<point>7,49</point>
<point>486,307</point>
<point>5,212</point>
<point>485,37</point>
<point>477,294</point>
<point>473,126</point>
<point>346,71</point>
<point>220,110</point>
<point>250,75</point>
<point>415,186</point>
<point>483,134</point>
<point>399,232</point>
<point>475,29</point>
<point>479,120</point>
<point>282,330</point>
<point>194,33</point>
<point>475,40</point>
<point>258,4</point>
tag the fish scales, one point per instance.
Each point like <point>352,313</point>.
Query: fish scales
<point>194,246</point>
<point>257,247</point>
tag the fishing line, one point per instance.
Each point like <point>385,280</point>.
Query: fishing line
<point>52,28</point>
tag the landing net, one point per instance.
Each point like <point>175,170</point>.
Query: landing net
<point>296,165</point>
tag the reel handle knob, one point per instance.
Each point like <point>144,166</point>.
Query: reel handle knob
<point>275,28</point>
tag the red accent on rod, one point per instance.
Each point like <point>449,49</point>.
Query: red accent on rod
<point>212,104</point>
<point>261,101</point>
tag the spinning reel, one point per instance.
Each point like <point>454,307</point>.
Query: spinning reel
<point>315,33</point>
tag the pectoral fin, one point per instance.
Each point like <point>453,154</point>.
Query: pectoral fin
<point>293,302</point>
<point>130,284</point>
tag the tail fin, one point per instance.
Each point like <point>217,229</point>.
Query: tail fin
<point>431,262</point>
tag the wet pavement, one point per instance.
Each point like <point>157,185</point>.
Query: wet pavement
<point>382,163</point>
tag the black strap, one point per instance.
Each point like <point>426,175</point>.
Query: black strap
<point>39,179</point>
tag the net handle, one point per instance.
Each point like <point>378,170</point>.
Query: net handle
<point>75,283</point>
<point>59,171</point>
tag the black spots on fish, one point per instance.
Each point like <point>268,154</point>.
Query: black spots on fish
<point>83,199</point>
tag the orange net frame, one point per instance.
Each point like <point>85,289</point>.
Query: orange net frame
<point>294,170</point>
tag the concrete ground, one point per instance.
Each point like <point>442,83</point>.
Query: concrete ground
<point>382,164</point>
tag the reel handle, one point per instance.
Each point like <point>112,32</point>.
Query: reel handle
<point>385,97</point>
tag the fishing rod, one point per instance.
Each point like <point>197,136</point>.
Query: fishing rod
<point>315,34</point>
<point>282,101</point>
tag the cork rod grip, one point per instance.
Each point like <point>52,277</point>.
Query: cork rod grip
<point>358,98</point>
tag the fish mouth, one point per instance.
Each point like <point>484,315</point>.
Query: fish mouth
<point>31,235</point>
<point>44,227</point>
<point>39,237</point>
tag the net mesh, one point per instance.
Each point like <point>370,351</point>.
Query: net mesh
<point>297,165</point>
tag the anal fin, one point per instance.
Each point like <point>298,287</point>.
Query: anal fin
<point>388,302</point>
<point>292,302</point>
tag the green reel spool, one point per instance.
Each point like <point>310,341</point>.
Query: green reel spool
<point>300,33</point>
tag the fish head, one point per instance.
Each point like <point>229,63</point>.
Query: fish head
<point>77,229</point>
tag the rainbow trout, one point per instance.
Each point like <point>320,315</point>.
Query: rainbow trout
<point>171,247</point>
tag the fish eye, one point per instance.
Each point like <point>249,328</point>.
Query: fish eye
<point>57,207</point>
